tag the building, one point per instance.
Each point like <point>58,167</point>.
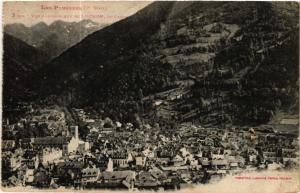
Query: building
<point>69,173</point>
<point>90,175</point>
<point>29,176</point>
<point>8,145</point>
<point>120,160</point>
<point>178,161</point>
<point>62,143</point>
<point>140,159</point>
<point>50,154</point>
<point>220,164</point>
<point>118,179</point>
<point>145,180</point>
<point>110,165</point>
<point>67,144</point>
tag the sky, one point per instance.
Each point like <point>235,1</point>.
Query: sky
<point>106,12</point>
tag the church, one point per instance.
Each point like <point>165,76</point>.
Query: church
<point>52,148</point>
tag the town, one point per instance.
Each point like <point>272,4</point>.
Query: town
<point>44,150</point>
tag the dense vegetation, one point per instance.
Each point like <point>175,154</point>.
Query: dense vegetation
<point>20,63</point>
<point>241,57</point>
<point>264,65</point>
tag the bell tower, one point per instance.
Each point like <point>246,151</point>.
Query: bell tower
<point>74,131</point>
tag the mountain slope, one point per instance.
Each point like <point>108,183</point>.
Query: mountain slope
<point>259,67</point>
<point>54,38</point>
<point>121,37</point>
<point>213,62</point>
<point>20,62</point>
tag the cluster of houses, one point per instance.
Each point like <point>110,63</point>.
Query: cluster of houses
<point>118,156</point>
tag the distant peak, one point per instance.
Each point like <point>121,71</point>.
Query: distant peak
<point>59,22</point>
<point>87,23</point>
<point>40,24</point>
<point>16,24</point>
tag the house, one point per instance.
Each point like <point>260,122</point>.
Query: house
<point>117,179</point>
<point>164,156</point>
<point>90,175</point>
<point>8,145</point>
<point>69,172</point>
<point>288,152</point>
<point>178,160</point>
<point>217,156</point>
<point>26,143</point>
<point>194,162</point>
<point>289,121</point>
<point>149,153</point>
<point>252,158</point>
<point>140,159</point>
<point>31,163</point>
<point>145,180</point>
<point>220,164</point>
<point>270,156</point>
<point>102,161</point>
<point>274,166</point>
<point>185,175</point>
<point>120,159</point>
<point>209,141</point>
<point>234,165</point>
<point>83,146</point>
<point>49,155</point>
<point>163,160</point>
<point>107,130</point>
<point>294,160</point>
<point>41,179</point>
<point>158,174</point>
<point>205,163</point>
<point>13,180</point>
<point>29,176</point>
<point>14,162</point>
<point>227,152</point>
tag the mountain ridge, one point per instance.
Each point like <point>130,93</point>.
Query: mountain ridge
<point>185,61</point>
<point>55,37</point>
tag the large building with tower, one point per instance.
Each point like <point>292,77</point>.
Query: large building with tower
<point>53,148</point>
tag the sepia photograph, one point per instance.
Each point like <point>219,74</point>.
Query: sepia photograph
<point>150,96</point>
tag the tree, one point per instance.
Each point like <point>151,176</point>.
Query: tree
<point>141,95</point>
<point>108,123</point>
<point>137,121</point>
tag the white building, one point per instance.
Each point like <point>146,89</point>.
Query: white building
<point>140,160</point>
<point>67,144</point>
<point>50,154</point>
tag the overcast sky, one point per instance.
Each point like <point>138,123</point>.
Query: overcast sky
<point>30,13</point>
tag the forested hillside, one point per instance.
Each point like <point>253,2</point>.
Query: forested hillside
<point>209,62</point>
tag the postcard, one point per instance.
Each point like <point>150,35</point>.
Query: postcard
<point>143,96</point>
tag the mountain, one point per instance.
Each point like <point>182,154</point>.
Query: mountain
<point>54,38</point>
<point>210,62</point>
<point>20,62</point>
